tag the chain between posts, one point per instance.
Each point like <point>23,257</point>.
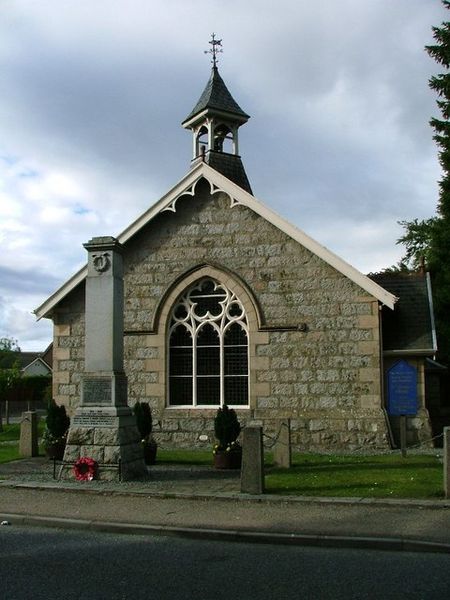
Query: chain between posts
<point>275,440</point>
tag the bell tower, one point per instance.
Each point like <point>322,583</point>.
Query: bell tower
<point>214,122</point>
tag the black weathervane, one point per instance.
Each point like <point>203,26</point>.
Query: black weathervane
<point>216,47</point>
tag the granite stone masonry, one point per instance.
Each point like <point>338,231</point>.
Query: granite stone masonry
<point>314,339</point>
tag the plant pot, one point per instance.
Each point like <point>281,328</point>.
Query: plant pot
<point>150,453</point>
<point>228,460</point>
<point>55,451</point>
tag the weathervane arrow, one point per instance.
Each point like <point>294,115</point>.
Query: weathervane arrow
<point>215,49</point>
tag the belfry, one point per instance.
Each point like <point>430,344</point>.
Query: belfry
<point>214,122</point>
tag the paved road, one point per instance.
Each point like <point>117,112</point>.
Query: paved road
<point>410,522</point>
<point>47,564</point>
<point>200,499</point>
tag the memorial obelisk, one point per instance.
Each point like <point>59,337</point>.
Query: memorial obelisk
<point>103,427</point>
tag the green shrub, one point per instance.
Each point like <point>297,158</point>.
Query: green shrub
<point>144,421</point>
<point>226,427</point>
<point>56,423</point>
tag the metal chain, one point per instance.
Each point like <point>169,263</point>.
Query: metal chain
<point>275,439</point>
<point>298,448</point>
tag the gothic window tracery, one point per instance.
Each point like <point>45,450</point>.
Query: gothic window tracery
<point>208,348</point>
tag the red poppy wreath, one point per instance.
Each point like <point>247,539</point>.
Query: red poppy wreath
<point>85,469</point>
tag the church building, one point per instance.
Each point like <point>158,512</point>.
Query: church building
<point>225,302</point>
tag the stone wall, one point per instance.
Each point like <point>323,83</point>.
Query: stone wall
<point>68,349</point>
<point>314,335</point>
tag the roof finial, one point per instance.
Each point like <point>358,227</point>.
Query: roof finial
<point>214,50</point>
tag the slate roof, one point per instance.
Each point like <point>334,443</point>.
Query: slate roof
<point>410,326</point>
<point>216,96</point>
<point>26,358</point>
<point>231,167</point>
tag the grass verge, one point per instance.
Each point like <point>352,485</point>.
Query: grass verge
<point>185,457</point>
<point>380,476</point>
<point>374,476</point>
<point>9,452</point>
<point>11,433</point>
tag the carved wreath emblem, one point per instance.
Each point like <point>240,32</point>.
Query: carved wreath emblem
<point>101,262</point>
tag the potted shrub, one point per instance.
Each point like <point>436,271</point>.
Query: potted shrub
<point>227,452</point>
<point>144,423</point>
<point>55,432</point>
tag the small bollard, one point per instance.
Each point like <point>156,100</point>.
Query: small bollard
<point>447,462</point>
<point>252,470</point>
<point>282,448</point>
<point>28,445</point>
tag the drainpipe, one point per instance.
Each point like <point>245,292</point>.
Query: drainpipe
<point>383,395</point>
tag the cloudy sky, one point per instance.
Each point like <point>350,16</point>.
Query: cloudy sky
<point>92,94</point>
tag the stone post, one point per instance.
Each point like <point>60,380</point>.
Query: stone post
<point>252,470</point>
<point>103,426</point>
<point>282,456</point>
<point>28,445</point>
<point>447,462</point>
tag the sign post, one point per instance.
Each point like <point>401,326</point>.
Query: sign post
<point>402,395</point>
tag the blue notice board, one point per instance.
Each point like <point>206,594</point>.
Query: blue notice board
<point>402,389</point>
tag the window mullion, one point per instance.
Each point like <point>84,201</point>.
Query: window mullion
<point>222,366</point>
<point>194,366</point>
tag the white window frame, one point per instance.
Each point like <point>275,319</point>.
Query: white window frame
<point>221,323</point>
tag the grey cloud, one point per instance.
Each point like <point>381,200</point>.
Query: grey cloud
<point>337,92</point>
<point>25,282</point>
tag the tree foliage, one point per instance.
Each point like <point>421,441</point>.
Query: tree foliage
<point>439,249</point>
<point>9,367</point>
<point>8,350</point>
<point>417,241</point>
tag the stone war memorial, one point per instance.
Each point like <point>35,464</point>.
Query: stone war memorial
<point>225,302</point>
<point>103,426</point>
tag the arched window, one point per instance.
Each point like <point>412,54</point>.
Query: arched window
<point>223,139</point>
<point>208,348</point>
<point>201,141</point>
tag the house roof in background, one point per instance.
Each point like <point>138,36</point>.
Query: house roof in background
<point>410,327</point>
<point>28,358</point>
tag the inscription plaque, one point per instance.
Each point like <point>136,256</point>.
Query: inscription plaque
<point>94,420</point>
<point>402,389</point>
<point>97,391</point>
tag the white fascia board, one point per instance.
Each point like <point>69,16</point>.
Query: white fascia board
<point>219,183</point>
<point>412,352</point>
<point>164,203</point>
<point>38,359</point>
<point>184,186</point>
<point>431,307</point>
<point>242,197</point>
<point>44,309</point>
<point>221,114</point>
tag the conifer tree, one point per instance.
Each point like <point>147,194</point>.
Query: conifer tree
<point>439,255</point>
